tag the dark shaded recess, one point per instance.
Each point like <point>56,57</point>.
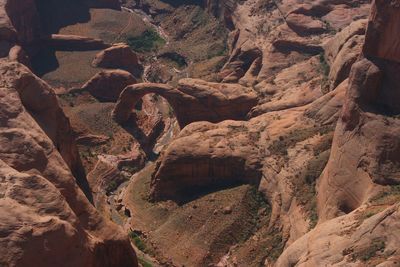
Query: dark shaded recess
<point>386,102</point>
<point>175,57</point>
<point>176,3</point>
<point>147,142</point>
<point>217,174</point>
<point>286,47</point>
<point>345,208</point>
<point>190,194</point>
<point>44,61</point>
<point>56,14</point>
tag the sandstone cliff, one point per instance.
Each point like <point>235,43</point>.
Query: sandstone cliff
<point>42,209</point>
<point>358,188</point>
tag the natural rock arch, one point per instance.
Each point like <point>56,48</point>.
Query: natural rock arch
<point>192,100</point>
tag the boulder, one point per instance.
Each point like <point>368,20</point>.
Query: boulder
<point>108,85</point>
<point>119,56</point>
<point>17,53</point>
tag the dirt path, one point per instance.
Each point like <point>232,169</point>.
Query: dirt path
<point>129,24</point>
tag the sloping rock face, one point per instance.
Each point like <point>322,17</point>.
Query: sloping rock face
<point>348,241</point>
<point>222,9</point>
<point>371,104</point>
<point>358,190</point>
<point>43,211</point>
<point>244,60</point>
<point>383,26</point>
<point>192,100</point>
<point>40,100</point>
<point>19,24</point>
<point>343,50</point>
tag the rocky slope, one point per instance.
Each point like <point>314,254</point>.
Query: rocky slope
<point>360,180</point>
<point>45,198</point>
<point>215,133</point>
<point>42,208</point>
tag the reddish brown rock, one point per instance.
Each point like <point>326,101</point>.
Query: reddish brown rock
<point>39,99</point>
<point>304,25</point>
<point>223,157</point>
<point>222,10</point>
<point>192,100</point>
<point>23,19</point>
<point>240,62</point>
<point>108,85</point>
<point>286,45</point>
<point>367,131</point>
<point>18,54</point>
<point>43,211</point>
<point>74,42</point>
<point>333,46</point>
<point>349,53</point>
<point>383,30</point>
<point>119,56</point>
<point>348,240</point>
<point>343,13</point>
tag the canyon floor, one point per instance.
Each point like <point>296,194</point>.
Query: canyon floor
<point>199,133</point>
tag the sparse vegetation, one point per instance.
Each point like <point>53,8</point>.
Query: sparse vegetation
<point>365,254</point>
<point>325,70</point>
<point>218,51</point>
<point>136,239</point>
<point>175,58</point>
<point>148,41</point>
<point>324,144</point>
<point>280,146</point>
<point>276,245</point>
<point>324,65</point>
<point>112,186</point>
<point>387,197</point>
<point>144,263</point>
<point>305,182</point>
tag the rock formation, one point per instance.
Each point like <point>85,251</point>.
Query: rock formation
<point>357,192</point>
<point>108,85</point>
<point>119,56</point>
<point>39,99</point>
<point>42,208</point>
<point>74,42</point>
<point>370,105</point>
<point>264,133</point>
<point>192,100</point>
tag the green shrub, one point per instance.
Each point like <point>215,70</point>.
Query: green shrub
<point>144,263</point>
<point>148,41</point>
<point>137,240</point>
